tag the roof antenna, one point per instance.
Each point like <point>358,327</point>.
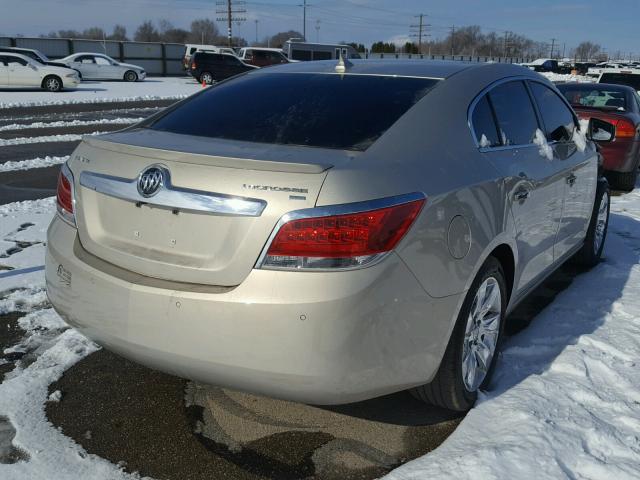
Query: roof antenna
<point>343,64</point>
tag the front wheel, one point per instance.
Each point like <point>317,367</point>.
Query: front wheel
<point>591,252</point>
<point>471,354</point>
<point>130,76</point>
<point>52,84</point>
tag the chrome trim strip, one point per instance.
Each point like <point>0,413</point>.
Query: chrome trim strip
<point>340,209</point>
<point>170,196</point>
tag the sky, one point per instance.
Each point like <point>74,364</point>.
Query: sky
<point>614,25</point>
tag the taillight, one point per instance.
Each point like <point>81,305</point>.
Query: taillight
<point>64,195</point>
<point>193,66</point>
<point>624,128</point>
<point>345,236</point>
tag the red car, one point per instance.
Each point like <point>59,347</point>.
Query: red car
<point>620,105</point>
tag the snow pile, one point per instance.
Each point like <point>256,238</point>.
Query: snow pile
<point>565,77</point>
<point>71,123</point>
<point>545,149</point>
<point>565,401</point>
<point>44,139</point>
<point>168,88</point>
<point>39,162</point>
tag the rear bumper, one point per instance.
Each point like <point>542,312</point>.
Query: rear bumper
<point>321,338</point>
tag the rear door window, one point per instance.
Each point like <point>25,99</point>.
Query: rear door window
<point>484,125</point>
<point>517,122</point>
<point>558,120</point>
<point>339,112</point>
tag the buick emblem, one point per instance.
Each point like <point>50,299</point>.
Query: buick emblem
<point>150,181</point>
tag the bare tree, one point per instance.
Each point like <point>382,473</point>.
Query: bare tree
<point>204,31</point>
<point>278,40</point>
<point>119,33</point>
<point>586,51</point>
<point>147,32</point>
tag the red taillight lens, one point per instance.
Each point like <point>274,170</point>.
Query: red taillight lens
<point>340,241</point>
<point>624,128</point>
<point>64,195</point>
<point>193,66</point>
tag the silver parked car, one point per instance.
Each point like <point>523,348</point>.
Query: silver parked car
<point>96,66</point>
<point>365,233</point>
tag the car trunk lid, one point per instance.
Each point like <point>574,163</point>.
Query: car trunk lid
<point>195,242</point>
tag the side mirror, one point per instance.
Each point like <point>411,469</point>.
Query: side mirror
<point>601,131</point>
<point>33,67</point>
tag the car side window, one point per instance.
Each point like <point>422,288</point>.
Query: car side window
<point>3,61</point>
<point>85,59</point>
<point>484,125</point>
<point>558,120</point>
<point>16,61</point>
<point>517,122</point>
<point>102,61</point>
<point>229,60</point>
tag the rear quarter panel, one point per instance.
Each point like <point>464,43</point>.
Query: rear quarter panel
<point>431,150</point>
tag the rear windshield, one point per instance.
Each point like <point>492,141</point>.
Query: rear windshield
<point>596,97</point>
<point>622,79</point>
<point>318,110</point>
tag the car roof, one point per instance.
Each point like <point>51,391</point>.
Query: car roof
<point>17,49</point>
<point>19,55</point>
<point>402,68</point>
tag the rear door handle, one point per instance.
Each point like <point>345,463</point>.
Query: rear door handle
<point>521,195</point>
<point>571,179</point>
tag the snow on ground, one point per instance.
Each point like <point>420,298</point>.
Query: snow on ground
<point>565,401</point>
<point>153,88</point>
<point>39,162</point>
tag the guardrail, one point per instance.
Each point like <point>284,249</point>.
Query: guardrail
<point>156,58</point>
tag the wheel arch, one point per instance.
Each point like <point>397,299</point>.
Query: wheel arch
<point>50,75</point>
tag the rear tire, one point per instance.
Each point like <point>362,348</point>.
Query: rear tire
<point>591,252</point>
<point>52,83</point>
<point>624,182</point>
<point>130,76</point>
<point>206,77</point>
<point>453,387</point>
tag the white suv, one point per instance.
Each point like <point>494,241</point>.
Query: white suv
<point>21,71</point>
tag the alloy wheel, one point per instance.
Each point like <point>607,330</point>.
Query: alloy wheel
<point>52,84</point>
<point>481,334</point>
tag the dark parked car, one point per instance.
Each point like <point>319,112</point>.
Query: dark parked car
<point>262,57</point>
<point>620,105</point>
<point>209,67</point>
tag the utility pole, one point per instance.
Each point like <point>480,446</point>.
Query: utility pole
<point>553,44</point>
<point>226,11</point>
<point>504,48</point>
<point>318,31</point>
<point>256,20</point>
<point>304,20</point>
<point>453,34</point>
<point>419,30</point>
